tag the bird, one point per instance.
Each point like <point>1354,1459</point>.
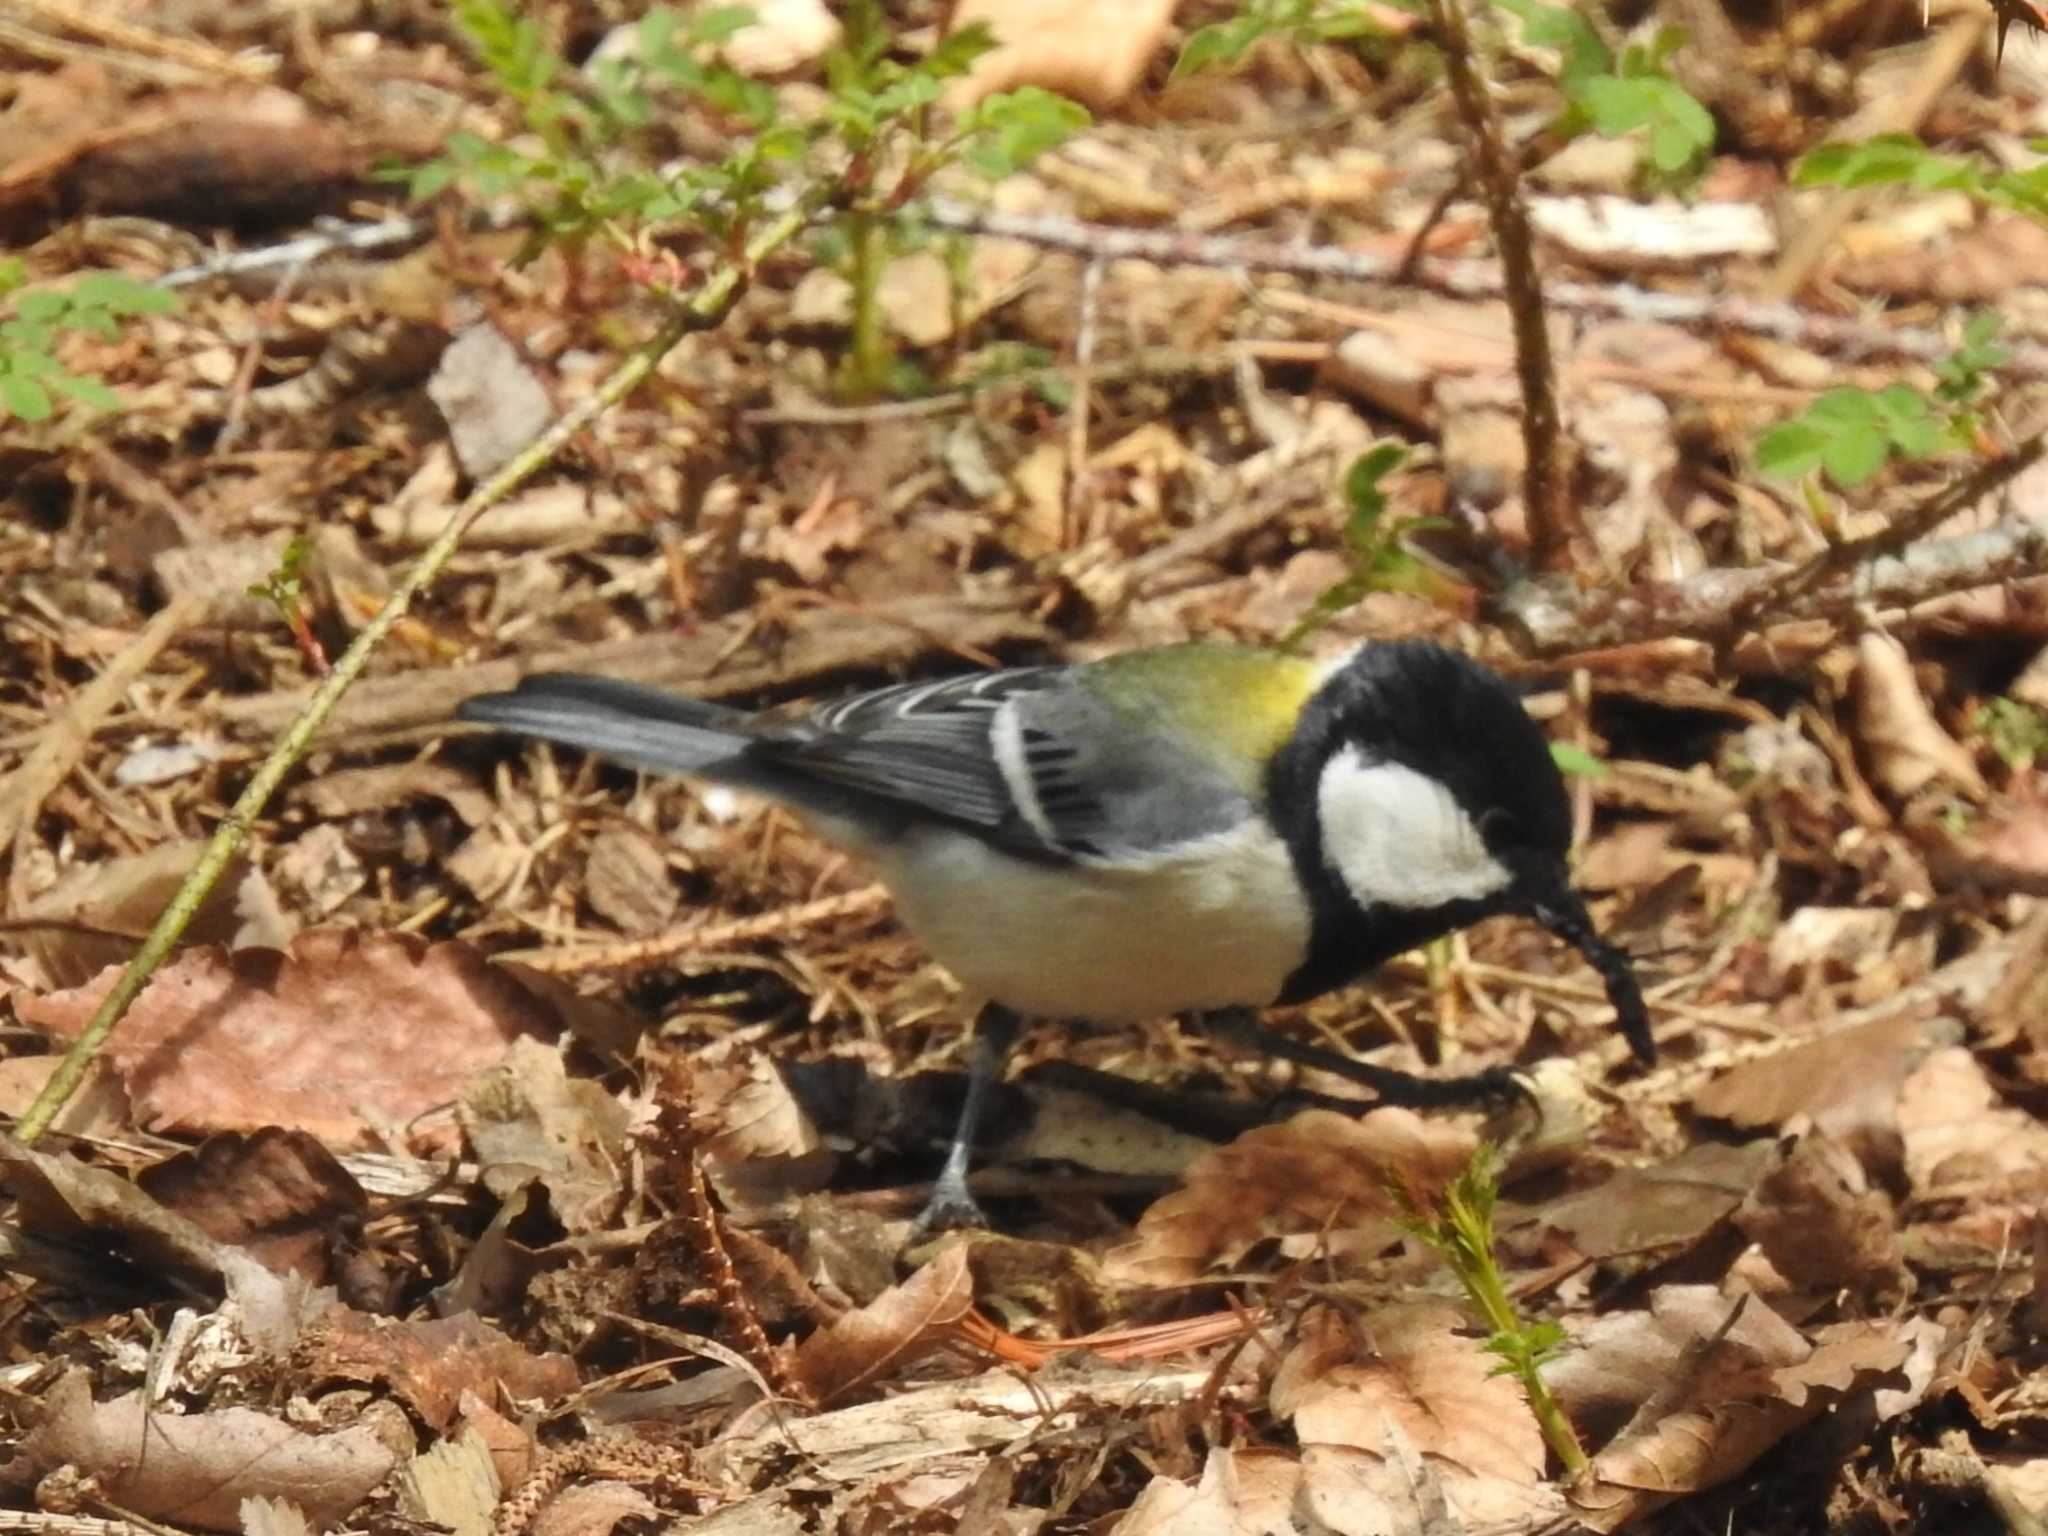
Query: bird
<point>1201,829</point>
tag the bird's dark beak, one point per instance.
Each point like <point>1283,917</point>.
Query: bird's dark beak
<point>1561,911</point>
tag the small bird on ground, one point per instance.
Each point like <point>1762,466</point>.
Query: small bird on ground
<point>1194,829</point>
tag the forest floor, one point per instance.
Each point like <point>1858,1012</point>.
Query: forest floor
<point>518,1143</point>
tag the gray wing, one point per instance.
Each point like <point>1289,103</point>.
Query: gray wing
<point>1032,757</point>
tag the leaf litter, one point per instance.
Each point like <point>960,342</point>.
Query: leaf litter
<point>366,1228</point>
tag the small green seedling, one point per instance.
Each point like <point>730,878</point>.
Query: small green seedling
<point>1460,1231</point>
<point>32,381</point>
<point>1380,560</point>
<point>859,165</point>
<point>2017,732</point>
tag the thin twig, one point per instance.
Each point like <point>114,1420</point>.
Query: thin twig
<point>1903,531</point>
<point>1851,337</point>
<point>1546,492</point>
<point>706,308</point>
<point>1553,623</point>
<point>642,954</point>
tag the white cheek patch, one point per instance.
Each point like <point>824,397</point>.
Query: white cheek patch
<point>1397,838</point>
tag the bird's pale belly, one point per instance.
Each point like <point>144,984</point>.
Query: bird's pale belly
<point>1217,924</point>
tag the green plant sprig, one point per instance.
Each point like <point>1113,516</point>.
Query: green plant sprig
<point>1460,1232</point>
<point>864,160</point>
<point>1849,434</point>
<point>32,381</point>
<point>1380,558</point>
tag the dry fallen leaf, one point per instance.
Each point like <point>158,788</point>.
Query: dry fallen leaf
<point>1822,1224</point>
<point>1408,1385</point>
<point>1316,1173</point>
<point>197,1468</point>
<point>341,1035</point>
<point>527,1118</point>
<point>1846,1082</point>
<point>1243,1491</point>
<point>1094,53</point>
<point>278,1194</point>
<point>900,1325</point>
<point>1960,1134</point>
<point>1908,748</point>
<point>428,1366</point>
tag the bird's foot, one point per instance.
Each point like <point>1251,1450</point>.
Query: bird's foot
<point>951,1208</point>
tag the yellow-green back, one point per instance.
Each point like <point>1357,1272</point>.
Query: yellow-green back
<point>1241,699</point>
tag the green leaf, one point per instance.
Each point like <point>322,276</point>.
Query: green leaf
<point>715,25</point>
<point>24,397</point>
<point>44,306</point>
<point>121,294</point>
<point>1010,130</point>
<point>1208,47</point>
<point>954,54</point>
<point>1852,457</point>
<point>1791,449</point>
<point>1577,761</point>
<point>88,392</point>
<point>1581,52</point>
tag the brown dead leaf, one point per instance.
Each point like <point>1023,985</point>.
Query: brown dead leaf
<point>196,1468</point>
<point>899,1326</point>
<point>1907,747</point>
<point>1729,1417</point>
<point>99,1108</point>
<point>428,1366</point>
<point>1960,1134</point>
<point>341,1035</point>
<point>831,525</point>
<point>1672,1204</point>
<point>278,1194</point>
<point>1405,1493</point>
<point>594,1509</point>
<point>1093,53</point>
<point>1821,1223</point>
<point>526,1118</point>
<point>340,793</point>
<point>2005,849</point>
<point>626,880</point>
<point>1413,1368</point>
<point>99,911</point>
<point>1624,1360</point>
<point>1244,1491</point>
<point>1709,1397</point>
<point>1318,1172</point>
<point>97,1211</point>
<point>1845,1082</point>
<point>1971,266</point>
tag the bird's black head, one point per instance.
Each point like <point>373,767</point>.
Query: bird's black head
<point>1418,797</point>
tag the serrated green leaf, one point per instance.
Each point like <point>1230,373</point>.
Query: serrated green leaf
<point>955,53</point>
<point>45,306</point>
<point>88,392</point>
<point>1790,449</point>
<point>1581,53</point>
<point>1206,48</point>
<point>1846,408</point>
<point>24,398</point>
<point>1852,457</point>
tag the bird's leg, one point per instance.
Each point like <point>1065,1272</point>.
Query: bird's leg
<point>951,1206</point>
<point>1240,1027</point>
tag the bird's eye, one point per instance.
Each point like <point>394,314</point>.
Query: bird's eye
<point>1498,826</point>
